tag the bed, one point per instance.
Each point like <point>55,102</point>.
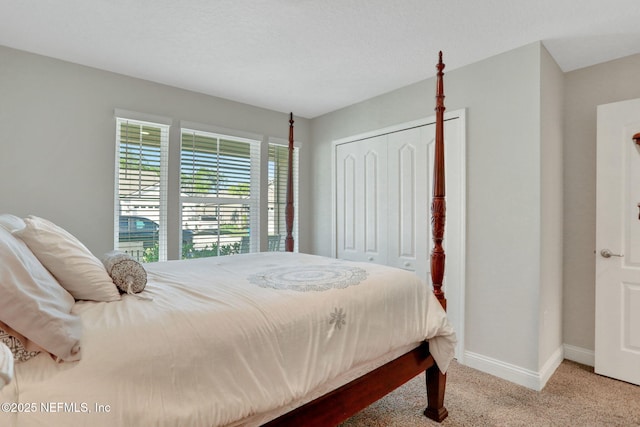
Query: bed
<point>253,339</point>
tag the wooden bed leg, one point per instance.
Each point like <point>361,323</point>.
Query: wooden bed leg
<point>436,382</point>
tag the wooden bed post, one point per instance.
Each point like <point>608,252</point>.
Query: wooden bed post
<point>436,380</point>
<point>438,204</point>
<point>288,241</point>
<point>343,402</point>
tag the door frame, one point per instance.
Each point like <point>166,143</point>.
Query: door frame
<point>461,161</point>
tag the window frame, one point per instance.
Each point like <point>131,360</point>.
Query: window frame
<point>255,146</point>
<point>296,183</point>
<point>164,124</point>
<point>170,224</point>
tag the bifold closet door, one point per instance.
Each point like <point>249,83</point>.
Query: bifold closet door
<point>361,205</point>
<point>383,202</point>
<point>408,198</point>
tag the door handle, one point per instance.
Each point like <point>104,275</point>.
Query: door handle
<point>606,253</point>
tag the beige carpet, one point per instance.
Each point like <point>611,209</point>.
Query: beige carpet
<point>574,396</point>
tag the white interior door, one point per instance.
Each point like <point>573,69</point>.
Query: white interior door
<point>617,343</point>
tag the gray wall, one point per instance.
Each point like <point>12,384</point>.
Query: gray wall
<point>57,139</point>
<point>584,90</point>
<point>503,99</point>
<point>489,89</point>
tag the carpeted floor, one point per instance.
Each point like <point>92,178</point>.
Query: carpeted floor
<point>574,396</point>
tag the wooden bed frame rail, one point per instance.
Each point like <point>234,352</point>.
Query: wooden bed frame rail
<point>342,403</point>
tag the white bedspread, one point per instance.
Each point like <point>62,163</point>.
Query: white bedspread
<point>224,339</point>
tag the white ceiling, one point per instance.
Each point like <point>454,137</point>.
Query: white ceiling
<point>311,56</point>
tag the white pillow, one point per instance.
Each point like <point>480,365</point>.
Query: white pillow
<point>11,222</point>
<point>75,267</point>
<point>34,304</point>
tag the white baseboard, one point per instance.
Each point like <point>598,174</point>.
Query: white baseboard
<point>516,374</point>
<point>550,366</point>
<point>580,355</point>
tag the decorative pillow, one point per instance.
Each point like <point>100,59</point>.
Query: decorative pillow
<point>11,222</point>
<point>127,273</point>
<point>75,267</point>
<point>33,303</point>
<point>18,350</point>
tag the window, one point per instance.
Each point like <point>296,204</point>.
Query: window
<point>141,189</point>
<point>219,193</point>
<point>216,203</point>
<point>277,198</point>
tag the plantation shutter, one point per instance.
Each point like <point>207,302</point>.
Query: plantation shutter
<point>219,177</point>
<point>141,188</point>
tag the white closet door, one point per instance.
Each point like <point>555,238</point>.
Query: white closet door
<point>408,189</point>
<point>361,200</point>
<point>383,204</point>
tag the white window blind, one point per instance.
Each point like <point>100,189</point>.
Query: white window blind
<point>277,199</point>
<point>141,188</point>
<point>219,185</point>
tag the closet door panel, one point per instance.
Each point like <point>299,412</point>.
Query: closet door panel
<point>350,199</point>
<point>361,200</point>
<point>371,202</point>
<point>408,183</point>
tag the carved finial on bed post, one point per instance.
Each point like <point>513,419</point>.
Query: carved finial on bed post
<point>288,241</point>
<point>438,204</point>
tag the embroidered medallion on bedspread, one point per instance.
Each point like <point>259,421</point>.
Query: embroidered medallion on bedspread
<point>310,277</point>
